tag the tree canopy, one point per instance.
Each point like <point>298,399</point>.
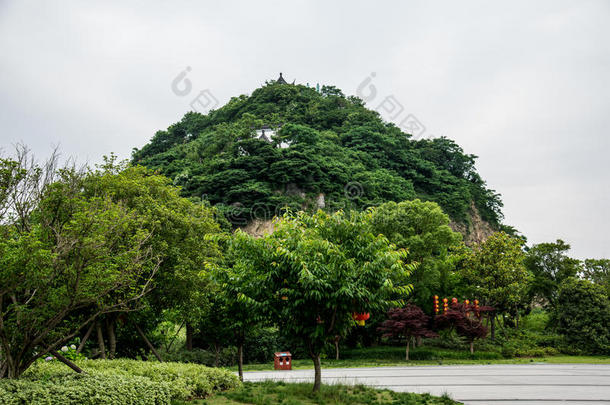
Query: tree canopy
<point>337,147</point>
<point>423,229</point>
<point>549,265</point>
<point>582,315</point>
<point>315,271</point>
<point>495,273</point>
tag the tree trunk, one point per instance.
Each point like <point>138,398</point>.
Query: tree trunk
<point>84,340</point>
<point>150,346</point>
<point>100,340</point>
<point>217,354</point>
<point>66,361</point>
<point>240,361</point>
<point>420,341</point>
<point>111,329</point>
<point>493,328</point>
<point>472,347</point>
<point>189,336</point>
<point>317,382</point>
<point>10,368</point>
<point>407,349</point>
<point>337,348</point>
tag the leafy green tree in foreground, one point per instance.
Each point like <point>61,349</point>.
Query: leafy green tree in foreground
<point>233,283</point>
<point>178,229</point>
<point>550,265</point>
<point>315,271</point>
<point>582,315</point>
<point>65,259</point>
<point>496,275</point>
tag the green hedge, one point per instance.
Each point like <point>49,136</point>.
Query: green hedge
<point>128,382</point>
<point>90,389</point>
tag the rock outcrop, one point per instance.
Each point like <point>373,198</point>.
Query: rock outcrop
<point>477,231</point>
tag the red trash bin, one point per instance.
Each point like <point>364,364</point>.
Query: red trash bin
<point>282,361</point>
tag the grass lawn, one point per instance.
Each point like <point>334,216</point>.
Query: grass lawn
<point>270,393</point>
<point>394,356</point>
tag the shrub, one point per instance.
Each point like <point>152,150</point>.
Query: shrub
<point>418,353</point>
<point>583,316</point>
<point>87,389</point>
<point>184,381</point>
<point>508,351</point>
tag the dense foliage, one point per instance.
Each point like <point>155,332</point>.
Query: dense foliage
<point>115,382</point>
<point>315,271</point>
<point>549,265</point>
<point>95,389</point>
<point>66,257</point>
<point>495,273</point>
<point>583,316</point>
<point>423,229</point>
<point>81,246</point>
<point>337,147</point>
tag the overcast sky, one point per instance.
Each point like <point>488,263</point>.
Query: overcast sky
<point>525,85</point>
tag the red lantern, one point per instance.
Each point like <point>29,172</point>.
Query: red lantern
<point>445,304</point>
<point>467,302</point>
<point>436,304</point>
<point>361,318</point>
<point>454,301</point>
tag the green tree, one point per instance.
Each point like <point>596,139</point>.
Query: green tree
<point>423,229</point>
<point>549,265</point>
<point>178,229</point>
<point>598,271</point>
<point>236,279</point>
<point>582,315</point>
<point>65,259</point>
<point>496,274</point>
<point>216,327</point>
<point>315,271</point>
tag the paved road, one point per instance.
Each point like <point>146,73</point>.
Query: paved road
<point>500,384</point>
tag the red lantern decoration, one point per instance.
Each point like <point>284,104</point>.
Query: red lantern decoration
<point>454,301</point>
<point>436,304</point>
<point>445,304</point>
<point>361,318</point>
<point>467,302</point>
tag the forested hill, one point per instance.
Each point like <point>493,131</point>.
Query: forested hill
<point>340,155</point>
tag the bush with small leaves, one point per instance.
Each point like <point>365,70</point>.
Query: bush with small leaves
<point>184,381</point>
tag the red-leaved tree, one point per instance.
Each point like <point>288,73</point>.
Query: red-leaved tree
<point>408,322</point>
<point>466,320</point>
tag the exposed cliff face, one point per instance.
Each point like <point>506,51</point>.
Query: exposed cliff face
<point>259,227</point>
<point>477,231</point>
